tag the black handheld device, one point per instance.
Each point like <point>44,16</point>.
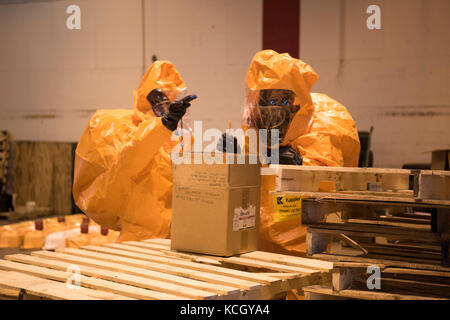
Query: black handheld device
<point>188,98</point>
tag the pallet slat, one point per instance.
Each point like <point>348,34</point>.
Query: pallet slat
<point>154,284</point>
<point>288,260</point>
<point>162,267</point>
<point>267,265</point>
<point>113,276</point>
<point>163,253</point>
<point>317,292</point>
<point>255,277</point>
<point>165,242</point>
<point>416,271</point>
<point>172,278</point>
<point>118,292</point>
<point>42,287</point>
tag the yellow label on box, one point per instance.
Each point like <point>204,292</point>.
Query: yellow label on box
<point>286,207</point>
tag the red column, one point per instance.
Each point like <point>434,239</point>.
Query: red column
<point>281,26</point>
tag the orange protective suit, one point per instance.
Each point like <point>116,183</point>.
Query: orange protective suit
<point>122,175</point>
<point>323,132</point>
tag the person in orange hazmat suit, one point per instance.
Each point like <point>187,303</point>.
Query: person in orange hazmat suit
<point>122,171</point>
<point>312,129</point>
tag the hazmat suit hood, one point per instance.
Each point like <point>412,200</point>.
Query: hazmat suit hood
<point>270,70</point>
<point>322,131</point>
<point>161,75</point>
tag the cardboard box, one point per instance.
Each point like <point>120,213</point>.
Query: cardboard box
<point>215,207</point>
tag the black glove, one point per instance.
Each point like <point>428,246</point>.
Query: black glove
<point>231,141</point>
<point>286,155</point>
<point>177,109</point>
<point>289,156</point>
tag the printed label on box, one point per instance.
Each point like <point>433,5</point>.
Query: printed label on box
<point>198,195</point>
<point>244,219</point>
<point>286,207</point>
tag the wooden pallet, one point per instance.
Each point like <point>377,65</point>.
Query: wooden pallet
<point>150,270</point>
<point>423,186</point>
<point>318,292</point>
<point>369,216</point>
<point>385,227</point>
<point>349,280</point>
<point>355,216</point>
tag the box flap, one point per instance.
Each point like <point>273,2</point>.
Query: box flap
<point>219,170</point>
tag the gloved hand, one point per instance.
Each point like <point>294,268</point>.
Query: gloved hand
<point>289,156</point>
<point>231,141</point>
<point>177,109</point>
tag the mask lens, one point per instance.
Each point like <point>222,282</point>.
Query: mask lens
<point>159,102</point>
<point>275,110</point>
<point>161,108</point>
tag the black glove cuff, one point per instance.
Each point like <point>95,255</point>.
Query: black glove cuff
<point>169,122</point>
<point>289,156</point>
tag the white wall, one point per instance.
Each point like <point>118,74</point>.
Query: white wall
<point>211,44</point>
<point>52,79</point>
<point>396,79</point>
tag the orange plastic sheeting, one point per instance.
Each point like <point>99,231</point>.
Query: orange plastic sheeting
<point>285,237</point>
<point>331,137</point>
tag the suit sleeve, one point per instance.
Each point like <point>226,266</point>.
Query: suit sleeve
<point>111,151</point>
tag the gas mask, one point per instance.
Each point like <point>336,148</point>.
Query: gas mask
<point>159,102</point>
<point>275,111</point>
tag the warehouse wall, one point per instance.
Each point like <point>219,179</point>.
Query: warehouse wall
<point>211,43</point>
<point>52,79</point>
<point>396,79</point>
